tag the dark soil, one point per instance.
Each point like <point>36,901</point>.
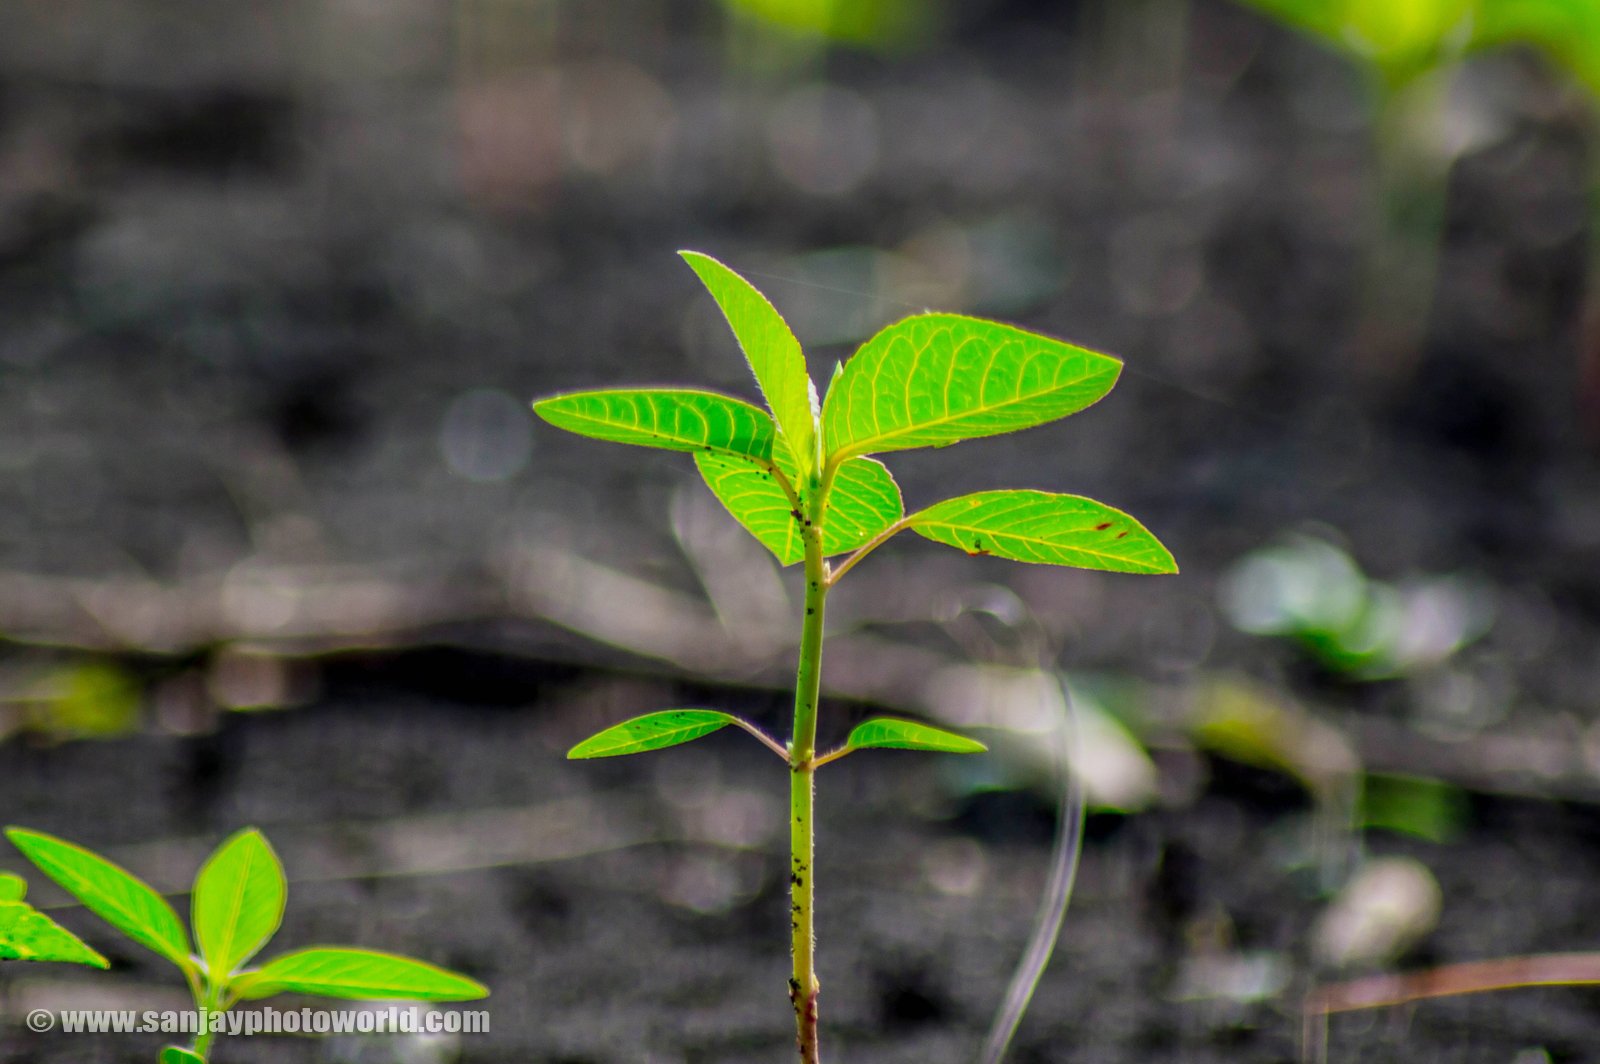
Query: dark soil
<point>246,270</point>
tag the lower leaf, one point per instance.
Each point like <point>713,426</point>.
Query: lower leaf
<point>886,732</point>
<point>357,975</point>
<point>26,934</point>
<point>653,731</point>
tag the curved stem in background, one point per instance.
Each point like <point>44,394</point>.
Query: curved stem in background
<point>1057,894</point>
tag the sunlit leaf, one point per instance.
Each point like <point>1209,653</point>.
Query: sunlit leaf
<point>653,731</point>
<point>114,895</point>
<point>863,501</point>
<point>12,888</point>
<point>770,348</point>
<point>238,901</point>
<point>909,735</point>
<point>358,975</point>
<point>1037,526</point>
<point>933,379</point>
<point>26,934</point>
<point>672,419</point>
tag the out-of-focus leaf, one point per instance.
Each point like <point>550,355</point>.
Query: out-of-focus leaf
<point>26,934</point>
<point>238,901</point>
<point>357,975</point>
<point>116,896</point>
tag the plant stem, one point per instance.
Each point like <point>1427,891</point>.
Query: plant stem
<point>803,985</point>
<point>202,1038</point>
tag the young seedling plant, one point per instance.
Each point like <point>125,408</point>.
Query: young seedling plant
<point>799,477</point>
<point>236,906</point>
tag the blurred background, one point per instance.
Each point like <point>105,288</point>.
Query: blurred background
<point>281,544</point>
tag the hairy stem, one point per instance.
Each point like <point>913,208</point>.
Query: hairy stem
<point>802,777</point>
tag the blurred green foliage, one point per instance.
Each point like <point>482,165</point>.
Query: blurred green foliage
<point>1566,31</point>
<point>1413,805</point>
<point>875,23</point>
<point>1314,593</point>
<point>1400,38</point>
<point>1403,39</point>
<point>82,700</point>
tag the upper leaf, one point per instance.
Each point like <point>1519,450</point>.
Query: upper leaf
<point>114,895</point>
<point>933,379</point>
<point>238,902</point>
<point>12,888</point>
<point>26,934</point>
<point>651,732</point>
<point>1037,526</point>
<point>673,419</point>
<point>909,735</point>
<point>863,501</point>
<point>357,975</point>
<point>772,351</point>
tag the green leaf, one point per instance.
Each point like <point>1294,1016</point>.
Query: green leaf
<point>120,899</point>
<point>672,419</point>
<point>179,1055</point>
<point>933,379</point>
<point>26,934</point>
<point>358,975</point>
<point>772,351</point>
<point>1037,526</point>
<point>238,902</point>
<point>909,735</point>
<point>653,731</point>
<point>12,888</point>
<point>863,501</point>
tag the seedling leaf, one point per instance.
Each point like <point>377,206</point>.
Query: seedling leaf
<point>12,888</point>
<point>238,902</point>
<point>1037,526</point>
<point>26,934</point>
<point>357,975</point>
<point>653,731</point>
<point>672,419</point>
<point>909,735</point>
<point>772,351</point>
<point>934,379</point>
<point>111,893</point>
<point>179,1055</point>
<point>863,501</point>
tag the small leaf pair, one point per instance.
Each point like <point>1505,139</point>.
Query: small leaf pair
<point>236,907</point>
<point>655,731</point>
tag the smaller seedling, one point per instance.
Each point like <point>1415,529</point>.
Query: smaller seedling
<point>26,934</point>
<point>236,907</point>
